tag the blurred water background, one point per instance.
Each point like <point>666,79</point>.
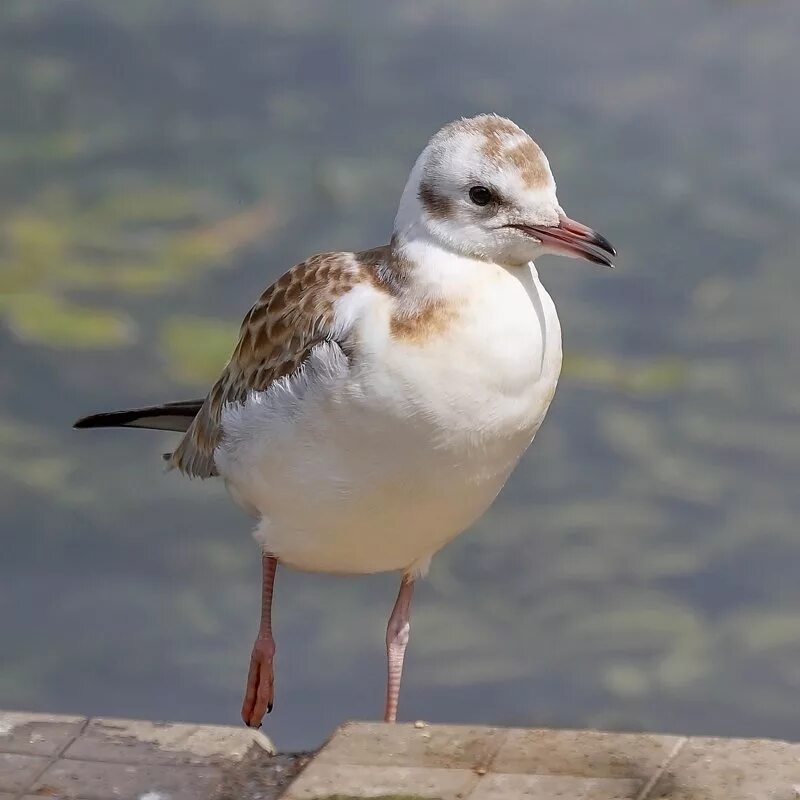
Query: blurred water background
<point>160,163</point>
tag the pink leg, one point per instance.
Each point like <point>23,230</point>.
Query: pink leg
<point>397,633</point>
<point>259,693</point>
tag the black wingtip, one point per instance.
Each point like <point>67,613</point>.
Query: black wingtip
<point>111,419</point>
<point>107,419</point>
<point>85,422</point>
<point>167,417</point>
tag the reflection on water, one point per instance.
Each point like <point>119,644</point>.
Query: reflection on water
<point>160,164</point>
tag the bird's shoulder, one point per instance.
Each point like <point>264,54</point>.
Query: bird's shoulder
<point>296,312</point>
<point>291,317</point>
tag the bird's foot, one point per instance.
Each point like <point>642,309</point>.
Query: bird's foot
<point>260,683</point>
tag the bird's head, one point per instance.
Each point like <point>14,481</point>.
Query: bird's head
<point>483,188</point>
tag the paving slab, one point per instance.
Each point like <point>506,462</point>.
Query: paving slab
<point>125,741</point>
<point>324,780</point>
<point>76,758</point>
<point>37,734</point>
<point>95,780</point>
<point>17,772</point>
<point>583,754</point>
<point>549,787</point>
<point>412,745</point>
<point>373,760</point>
<point>732,769</point>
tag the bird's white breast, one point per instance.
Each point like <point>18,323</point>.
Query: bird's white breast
<point>374,462</point>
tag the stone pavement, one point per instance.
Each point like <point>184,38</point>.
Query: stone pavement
<point>478,763</point>
<point>44,755</point>
<point>74,758</point>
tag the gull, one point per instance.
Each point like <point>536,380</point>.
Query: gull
<point>377,401</point>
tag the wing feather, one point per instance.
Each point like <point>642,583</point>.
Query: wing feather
<point>277,334</point>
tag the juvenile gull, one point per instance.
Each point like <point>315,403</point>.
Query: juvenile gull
<point>376,402</point>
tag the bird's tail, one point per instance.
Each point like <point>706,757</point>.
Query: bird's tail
<point>167,417</point>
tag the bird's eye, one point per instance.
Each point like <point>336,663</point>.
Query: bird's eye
<point>480,195</point>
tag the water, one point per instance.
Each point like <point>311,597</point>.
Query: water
<point>160,164</point>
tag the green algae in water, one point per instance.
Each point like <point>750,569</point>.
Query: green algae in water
<point>48,320</point>
<point>197,348</point>
<point>659,375</point>
<point>147,241</point>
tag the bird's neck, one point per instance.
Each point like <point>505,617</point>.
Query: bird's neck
<point>425,269</point>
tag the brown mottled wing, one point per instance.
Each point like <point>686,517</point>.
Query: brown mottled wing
<point>280,330</point>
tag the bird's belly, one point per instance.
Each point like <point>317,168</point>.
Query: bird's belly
<point>381,466</point>
<point>359,494</point>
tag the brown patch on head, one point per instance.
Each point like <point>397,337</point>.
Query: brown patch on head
<point>503,143</point>
<point>490,126</point>
<point>528,158</point>
<point>437,205</point>
<point>499,126</point>
<point>495,131</point>
<point>497,134</point>
<point>422,324</point>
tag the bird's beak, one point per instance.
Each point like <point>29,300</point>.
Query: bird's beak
<point>571,238</point>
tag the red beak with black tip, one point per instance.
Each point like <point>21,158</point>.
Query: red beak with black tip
<point>571,238</point>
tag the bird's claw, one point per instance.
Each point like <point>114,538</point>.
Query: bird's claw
<point>258,698</point>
